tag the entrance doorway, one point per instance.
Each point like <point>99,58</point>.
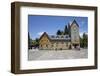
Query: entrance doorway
<point>75,45</point>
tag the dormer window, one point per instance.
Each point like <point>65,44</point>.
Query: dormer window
<point>66,36</point>
<point>62,36</point>
<point>57,36</point>
<point>53,36</point>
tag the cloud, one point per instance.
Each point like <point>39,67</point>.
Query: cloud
<point>81,33</point>
<point>40,33</point>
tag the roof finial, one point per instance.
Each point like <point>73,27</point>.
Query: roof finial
<point>74,19</point>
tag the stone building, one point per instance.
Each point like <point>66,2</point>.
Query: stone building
<point>61,42</point>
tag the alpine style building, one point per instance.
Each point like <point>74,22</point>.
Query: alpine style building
<point>61,42</point>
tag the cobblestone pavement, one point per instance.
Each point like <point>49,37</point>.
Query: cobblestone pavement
<point>36,54</point>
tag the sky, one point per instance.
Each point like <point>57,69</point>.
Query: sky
<point>37,24</point>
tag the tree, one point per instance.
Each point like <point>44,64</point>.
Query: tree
<point>37,40</point>
<point>29,41</point>
<point>69,32</point>
<point>81,42</point>
<point>35,43</point>
<point>66,31</point>
<point>28,38</point>
<point>59,32</point>
<point>62,33</point>
<point>84,41</point>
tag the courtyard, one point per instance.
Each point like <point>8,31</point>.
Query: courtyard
<point>35,54</point>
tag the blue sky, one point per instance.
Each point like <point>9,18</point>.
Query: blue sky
<point>37,24</point>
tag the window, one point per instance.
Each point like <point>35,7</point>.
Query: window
<point>41,45</point>
<point>52,45</point>
<point>56,44</point>
<point>46,40</point>
<point>66,36</point>
<point>53,36</point>
<point>47,46</point>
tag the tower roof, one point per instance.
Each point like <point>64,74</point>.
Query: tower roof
<point>74,21</point>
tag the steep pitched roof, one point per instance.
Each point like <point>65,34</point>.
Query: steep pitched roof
<point>74,21</point>
<point>44,34</point>
<point>56,37</point>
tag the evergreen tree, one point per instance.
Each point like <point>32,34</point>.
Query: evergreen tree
<point>29,41</point>
<point>84,41</point>
<point>37,40</point>
<point>59,32</point>
<point>36,43</point>
<point>69,32</point>
<point>62,33</point>
<point>66,32</point>
<point>81,42</point>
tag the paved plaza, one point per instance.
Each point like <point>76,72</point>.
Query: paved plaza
<point>35,54</point>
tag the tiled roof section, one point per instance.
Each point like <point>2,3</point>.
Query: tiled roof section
<point>59,37</point>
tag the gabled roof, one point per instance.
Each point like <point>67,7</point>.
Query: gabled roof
<point>56,37</point>
<point>74,21</point>
<point>43,35</point>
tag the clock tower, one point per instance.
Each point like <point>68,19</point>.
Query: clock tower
<point>75,39</point>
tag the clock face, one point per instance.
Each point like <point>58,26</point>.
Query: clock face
<point>74,27</point>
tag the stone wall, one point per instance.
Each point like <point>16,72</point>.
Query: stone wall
<point>55,45</point>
